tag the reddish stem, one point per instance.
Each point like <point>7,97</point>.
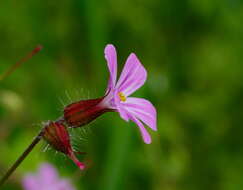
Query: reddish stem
<point>21,158</point>
<point>16,65</point>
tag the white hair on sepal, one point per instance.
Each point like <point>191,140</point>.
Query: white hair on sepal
<point>73,95</point>
<point>79,138</point>
<point>46,147</point>
<point>62,103</point>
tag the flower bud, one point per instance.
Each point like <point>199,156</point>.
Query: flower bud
<point>56,134</point>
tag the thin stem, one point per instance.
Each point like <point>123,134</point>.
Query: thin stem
<point>16,65</point>
<point>21,158</point>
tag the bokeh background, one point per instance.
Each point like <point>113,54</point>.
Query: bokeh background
<point>193,53</point>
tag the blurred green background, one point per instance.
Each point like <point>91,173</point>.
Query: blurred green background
<point>193,53</point>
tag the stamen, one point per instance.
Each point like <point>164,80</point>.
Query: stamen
<point>122,97</point>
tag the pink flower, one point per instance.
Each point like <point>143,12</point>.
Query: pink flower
<point>138,110</point>
<point>132,78</point>
<point>46,179</point>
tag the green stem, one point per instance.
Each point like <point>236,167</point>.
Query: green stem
<point>21,158</point>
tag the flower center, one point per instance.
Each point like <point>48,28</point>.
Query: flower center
<point>122,97</point>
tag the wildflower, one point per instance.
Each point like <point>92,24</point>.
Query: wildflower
<point>56,134</point>
<point>117,97</point>
<point>46,179</point>
<point>132,78</point>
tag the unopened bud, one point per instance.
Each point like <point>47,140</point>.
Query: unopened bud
<point>56,134</point>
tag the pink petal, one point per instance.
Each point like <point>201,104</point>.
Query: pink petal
<point>48,173</point>
<point>132,77</point>
<point>46,179</point>
<point>111,58</point>
<point>143,110</point>
<point>123,113</point>
<point>30,183</point>
<point>144,133</point>
<point>127,114</point>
